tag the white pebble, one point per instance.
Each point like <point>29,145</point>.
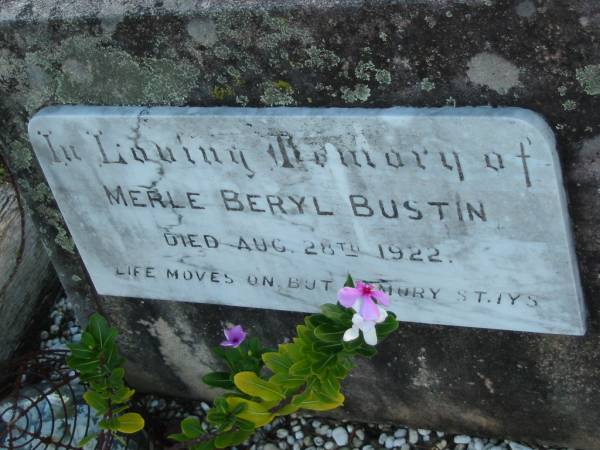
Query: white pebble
<point>290,439</point>
<point>413,436</point>
<point>350,428</point>
<point>340,436</point>
<point>315,424</point>
<point>400,432</point>
<point>318,441</point>
<point>368,447</point>
<point>517,446</point>
<point>281,433</point>
<point>399,442</point>
<point>424,432</point>
<point>478,444</point>
<point>462,439</point>
<point>299,435</point>
<point>270,446</point>
<point>382,438</point>
<point>329,445</point>
<point>204,406</point>
<point>360,434</point>
<point>323,429</point>
<point>296,428</point>
<point>282,445</point>
<point>405,447</point>
<point>389,442</point>
<point>296,446</point>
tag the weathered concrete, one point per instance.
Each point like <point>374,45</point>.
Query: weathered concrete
<point>373,54</point>
<point>27,278</point>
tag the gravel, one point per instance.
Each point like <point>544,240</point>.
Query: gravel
<point>293,432</point>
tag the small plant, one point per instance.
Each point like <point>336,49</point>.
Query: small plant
<point>305,374</point>
<point>101,369</point>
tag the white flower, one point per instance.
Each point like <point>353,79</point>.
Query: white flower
<point>366,326</point>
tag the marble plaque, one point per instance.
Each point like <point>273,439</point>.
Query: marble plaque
<point>459,214</point>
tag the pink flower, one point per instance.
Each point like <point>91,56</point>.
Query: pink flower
<point>364,299</point>
<point>367,327</point>
<point>235,336</point>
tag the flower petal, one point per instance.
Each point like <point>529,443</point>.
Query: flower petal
<point>347,296</point>
<point>369,310</point>
<point>226,344</point>
<point>369,333</point>
<point>382,314</point>
<point>237,333</point>
<point>351,334</point>
<point>381,297</point>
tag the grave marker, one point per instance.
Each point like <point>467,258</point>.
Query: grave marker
<point>460,214</point>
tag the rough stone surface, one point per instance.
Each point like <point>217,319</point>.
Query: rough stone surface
<point>27,277</point>
<point>332,53</point>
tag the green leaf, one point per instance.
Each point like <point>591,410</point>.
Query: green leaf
<point>277,362</point>
<point>249,383</point>
<point>231,438</point>
<point>257,413</point>
<point>98,327</point>
<point>208,445</point>
<point>95,401</point>
<point>366,350</point>
<point>219,380</point>
<point>287,381</point>
<point>388,326</point>
<point>122,395</point>
<point>314,320</point>
<point>82,352</point>
<point>337,313</point>
<point>116,376</point>
<point>109,424</point>
<point>349,281</point>
<point>327,347</point>
<point>191,427</point>
<point>130,423</point>
<point>88,340</point>
<point>287,410</point>
<point>321,364</point>
<point>300,368</point>
<point>87,440</point>
<point>216,417</point>
<point>244,424</point>
<point>312,402</point>
<point>84,366</point>
<point>179,437</point>
<point>329,333</point>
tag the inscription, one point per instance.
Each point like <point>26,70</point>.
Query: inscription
<point>458,214</point>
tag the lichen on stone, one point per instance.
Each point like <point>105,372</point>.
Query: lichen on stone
<point>383,76</point>
<point>320,58</point>
<point>569,105</point>
<point>427,85</point>
<point>85,70</point>
<point>277,93</point>
<point>363,69</point>
<point>221,92</point>
<point>360,93</point>
<point>589,79</point>
<point>493,71</point>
